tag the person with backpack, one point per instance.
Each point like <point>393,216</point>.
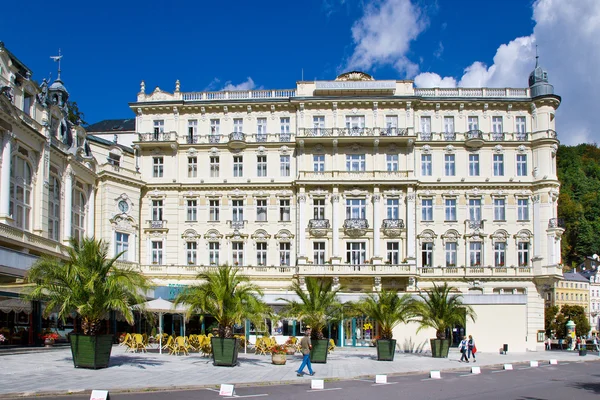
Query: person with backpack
<point>463,348</point>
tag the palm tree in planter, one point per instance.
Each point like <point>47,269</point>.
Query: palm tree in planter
<point>388,310</point>
<point>318,306</point>
<point>230,298</point>
<point>89,284</point>
<point>441,310</point>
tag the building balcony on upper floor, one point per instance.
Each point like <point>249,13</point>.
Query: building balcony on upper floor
<point>237,224</point>
<point>191,270</point>
<point>157,224</point>
<point>237,140</point>
<point>352,132</point>
<point>318,227</point>
<point>556,223</point>
<point>192,139</point>
<point>476,271</point>
<point>355,226</point>
<point>474,224</point>
<point>354,175</point>
<point>157,136</point>
<point>476,135</point>
<point>341,270</point>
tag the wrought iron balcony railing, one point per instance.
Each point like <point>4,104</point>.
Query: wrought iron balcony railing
<point>157,137</point>
<point>236,224</point>
<point>318,224</point>
<point>425,135</point>
<point>214,138</point>
<point>261,137</point>
<point>475,223</point>
<point>285,137</point>
<point>317,132</point>
<point>191,139</point>
<point>474,134</point>
<point>449,136</point>
<point>157,224</point>
<point>556,223</point>
<point>498,136</point>
<point>356,223</point>
<point>237,136</point>
<point>521,136</point>
<point>393,224</point>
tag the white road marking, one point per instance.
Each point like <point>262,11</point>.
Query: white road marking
<point>381,384</point>
<point>213,390</point>
<point>322,390</point>
<point>502,370</point>
<point>364,380</point>
<point>235,396</point>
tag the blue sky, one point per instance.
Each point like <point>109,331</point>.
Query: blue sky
<point>109,47</point>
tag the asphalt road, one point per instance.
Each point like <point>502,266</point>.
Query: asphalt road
<point>578,380</point>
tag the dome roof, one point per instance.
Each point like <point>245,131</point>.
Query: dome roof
<point>58,85</point>
<point>538,81</point>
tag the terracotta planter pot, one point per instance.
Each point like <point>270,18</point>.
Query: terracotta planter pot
<point>48,342</point>
<point>278,359</point>
<point>290,351</point>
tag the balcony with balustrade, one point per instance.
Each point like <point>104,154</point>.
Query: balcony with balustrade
<point>474,139</point>
<point>392,227</point>
<point>237,225</point>
<point>357,176</point>
<point>190,271</point>
<point>512,272</point>
<point>353,270</point>
<point>156,225</point>
<point>238,95</point>
<point>318,227</point>
<point>157,137</point>
<point>237,140</point>
<point>355,227</point>
<point>556,223</point>
<point>381,135</point>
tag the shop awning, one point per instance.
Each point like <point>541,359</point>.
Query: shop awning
<point>16,305</point>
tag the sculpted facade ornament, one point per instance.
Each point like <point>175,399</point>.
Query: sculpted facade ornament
<point>451,235</point>
<point>426,149</point>
<point>450,149</point>
<point>427,236</point>
<point>522,149</point>
<point>499,236</point>
<point>498,149</point>
<point>354,76</point>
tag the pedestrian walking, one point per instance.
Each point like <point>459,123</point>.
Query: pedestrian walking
<point>548,343</point>
<point>463,348</point>
<point>305,347</point>
<point>472,348</point>
<point>595,343</point>
<point>560,343</point>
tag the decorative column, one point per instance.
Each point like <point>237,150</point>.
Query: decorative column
<point>91,212</point>
<point>68,204</point>
<point>537,231</point>
<point>410,225</point>
<point>302,227</point>
<point>335,228</point>
<point>5,178</point>
<point>376,228</point>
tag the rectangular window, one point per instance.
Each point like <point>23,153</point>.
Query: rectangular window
<point>285,253</point>
<point>392,162</point>
<point>427,209</point>
<point>261,253</point>
<point>475,209</point>
<point>521,164</point>
<point>192,136</point>
<point>356,253</point>
<point>355,162</point>
<point>427,254</point>
<point>475,254</point>
<point>393,208</point>
<point>27,103</point>
<point>499,254</point>
<point>355,209</point>
<point>159,127</point>
<point>450,210</point>
<point>497,125</point>
<point>319,162</point>
<point>319,208</point>
<point>157,252</point>
<point>449,125</point>
<point>192,253</point>
<point>449,165</point>
<point>238,166</point>
<point>393,253</point>
<point>122,245</point>
<point>473,123</point>
<point>499,210</point>
<point>450,254</point>
<point>391,124</point>
<point>522,210</point>
<point>284,210</point>
<point>261,166</point>
<point>520,125</point>
<point>523,254</point>
<point>192,210</point>
<point>213,253</point>
<point>261,210</point>
<point>355,124</point>
<point>214,166</point>
<point>238,125</point>
<point>425,124</point>
<point>192,167</point>
<point>319,125</point>
<point>319,253</point>
<point>237,210</point>
<point>215,127</point>
<point>498,164</point>
<point>157,210</point>
<point>426,166</point>
<point>157,167</point>
<point>213,210</point>
<point>284,125</point>
<point>237,253</point>
<point>473,164</point>
<point>284,165</point>
<point>261,127</point>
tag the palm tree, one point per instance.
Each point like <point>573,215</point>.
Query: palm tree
<point>88,283</point>
<point>228,296</point>
<point>387,309</point>
<point>318,305</point>
<point>441,310</point>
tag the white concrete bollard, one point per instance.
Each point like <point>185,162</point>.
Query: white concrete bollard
<point>553,362</point>
<point>317,384</point>
<point>475,370</point>
<point>380,378</point>
<point>435,375</point>
<point>227,390</point>
<point>508,367</point>
<point>534,364</point>
<point>100,395</point>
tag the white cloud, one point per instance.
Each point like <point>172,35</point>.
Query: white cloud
<point>431,79</point>
<point>248,84</point>
<point>382,36</point>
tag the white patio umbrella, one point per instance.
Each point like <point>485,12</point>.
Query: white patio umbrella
<point>161,306</point>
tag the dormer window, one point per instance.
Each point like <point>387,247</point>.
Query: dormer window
<point>114,159</point>
<point>28,103</point>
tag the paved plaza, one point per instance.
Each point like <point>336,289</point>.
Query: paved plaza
<point>52,371</point>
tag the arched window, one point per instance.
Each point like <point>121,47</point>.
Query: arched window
<point>78,213</point>
<point>20,192</point>
<point>54,208</point>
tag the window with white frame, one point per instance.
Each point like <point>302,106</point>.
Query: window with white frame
<point>392,162</point>
<point>284,125</point>
<point>261,210</point>
<point>192,210</point>
<point>391,123</point>
<point>238,125</point>
<point>159,127</point>
<point>192,131</point>
<point>284,165</point>
<point>473,123</point>
<point>475,209</point>
<point>393,253</point>
<point>450,210</point>
<point>114,159</point>
<point>522,210</point>
<point>497,125</point>
<point>122,245</point>
<point>238,166</point>
<point>449,125</point>
<point>356,253</point>
<point>261,166</point>
<point>157,210</point>
<point>427,254</point>
<point>213,253</point>
<point>192,253</point>
<point>54,208</point>
<point>28,103</point>
<point>285,253</point>
<point>450,250</point>
<point>427,209</point>
<point>355,124</point>
<point>237,253</point>
<point>521,164</point>
<point>319,253</point>
<point>449,165</point>
<point>213,210</point>
<point>499,254</point>
<point>475,257</point>
<point>214,166</point>
<point>319,124</point>
<point>157,252</point>
<point>426,124</point>
<point>261,127</point>
<point>192,167</point>
<point>78,214</point>
<point>319,208</point>
<point>356,209</point>
<point>520,125</point>
<point>319,162</point>
<point>499,210</point>
<point>261,253</point>
<point>523,254</point>
<point>284,210</point>
<point>355,162</point>
<point>215,127</point>
<point>473,164</point>
<point>498,164</point>
<point>237,210</point>
<point>426,165</point>
<point>157,167</point>
<point>393,208</point>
